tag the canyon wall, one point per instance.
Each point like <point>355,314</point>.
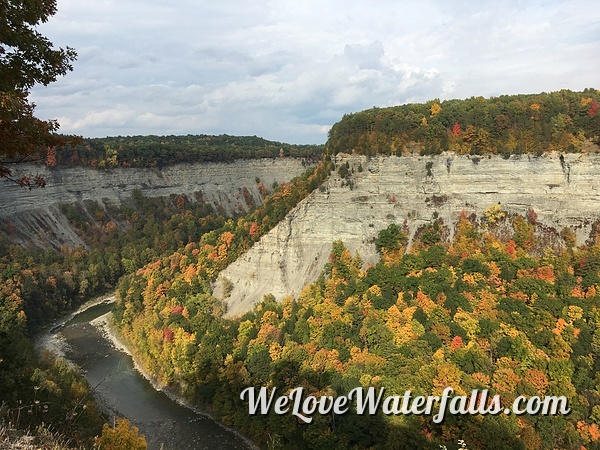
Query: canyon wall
<point>562,190</point>
<point>34,215</point>
<point>412,191</point>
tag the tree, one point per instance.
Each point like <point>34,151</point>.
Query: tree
<point>123,436</point>
<point>27,58</point>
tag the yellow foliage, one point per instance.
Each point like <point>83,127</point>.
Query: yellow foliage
<point>435,109</point>
<point>275,351</point>
<point>467,322</point>
<point>494,214</point>
<point>574,312</point>
<point>448,375</point>
<point>270,318</point>
<point>123,436</point>
<point>508,330</point>
<point>365,380</point>
<point>375,290</point>
<point>439,354</point>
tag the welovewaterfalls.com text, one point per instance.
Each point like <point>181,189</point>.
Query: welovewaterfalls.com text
<point>372,400</point>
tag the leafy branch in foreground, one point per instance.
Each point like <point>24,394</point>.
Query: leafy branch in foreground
<point>27,58</point>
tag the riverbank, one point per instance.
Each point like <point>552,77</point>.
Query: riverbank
<point>50,340</point>
<point>105,325</point>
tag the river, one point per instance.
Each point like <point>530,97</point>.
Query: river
<point>121,390</point>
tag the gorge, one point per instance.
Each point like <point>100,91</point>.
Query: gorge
<point>562,189</point>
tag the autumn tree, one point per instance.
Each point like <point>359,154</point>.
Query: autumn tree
<point>123,436</point>
<point>27,58</point>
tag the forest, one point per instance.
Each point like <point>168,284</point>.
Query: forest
<point>160,151</point>
<point>497,301</point>
<point>505,305</point>
<point>563,121</point>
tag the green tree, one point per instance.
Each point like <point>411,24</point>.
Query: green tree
<point>27,58</point>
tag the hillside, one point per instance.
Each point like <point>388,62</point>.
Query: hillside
<point>412,191</point>
<point>36,216</point>
<point>494,300</point>
<point>125,218</point>
<point>408,269</point>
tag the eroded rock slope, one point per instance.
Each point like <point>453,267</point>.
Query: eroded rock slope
<point>35,215</point>
<point>563,191</point>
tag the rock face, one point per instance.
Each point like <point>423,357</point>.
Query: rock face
<point>35,216</point>
<point>562,190</point>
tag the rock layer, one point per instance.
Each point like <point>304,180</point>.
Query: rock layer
<point>562,190</point>
<point>34,216</point>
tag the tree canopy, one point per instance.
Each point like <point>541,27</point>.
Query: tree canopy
<point>564,121</point>
<point>27,58</point>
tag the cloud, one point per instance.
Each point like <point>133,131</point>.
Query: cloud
<point>288,70</point>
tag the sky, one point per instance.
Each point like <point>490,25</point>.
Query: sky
<point>288,70</point>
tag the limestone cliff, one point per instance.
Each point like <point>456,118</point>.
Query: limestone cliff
<point>563,191</point>
<point>35,215</point>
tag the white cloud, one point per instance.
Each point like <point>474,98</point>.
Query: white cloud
<point>287,70</point>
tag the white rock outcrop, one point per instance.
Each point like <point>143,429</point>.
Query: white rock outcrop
<point>36,216</point>
<point>563,191</point>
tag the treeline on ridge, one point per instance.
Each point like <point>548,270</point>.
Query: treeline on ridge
<point>564,121</point>
<point>158,151</point>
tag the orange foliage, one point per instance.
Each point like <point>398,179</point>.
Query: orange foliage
<point>482,378</point>
<point>269,334</point>
<point>520,296</point>
<point>577,292</point>
<point>538,380</point>
<point>587,431</point>
<point>560,326</point>
<point>591,292</point>
<point>594,432</point>
<point>511,248</point>
<point>546,274</point>
<point>190,273</point>
<point>456,343</point>
<point>51,281</point>
<point>227,237</point>
<point>254,229</point>
<point>425,302</point>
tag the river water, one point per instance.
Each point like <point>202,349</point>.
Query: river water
<point>121,390</point>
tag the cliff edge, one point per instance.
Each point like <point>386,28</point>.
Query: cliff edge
<point>563,190</point>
